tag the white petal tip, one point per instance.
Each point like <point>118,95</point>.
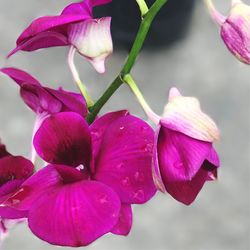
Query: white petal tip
<point>99,66</point>
<point>174,92</point>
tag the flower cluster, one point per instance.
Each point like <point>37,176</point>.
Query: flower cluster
<point>94,172</point>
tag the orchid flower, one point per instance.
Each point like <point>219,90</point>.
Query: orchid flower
<point>94,175</point>
<point>184,157</point>
<point>235,28</point>
<point>75,27</point>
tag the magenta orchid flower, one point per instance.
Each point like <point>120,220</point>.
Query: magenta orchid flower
<point>14,170</point>
<point>95,174</point>
<point>76,27</point>
<point>184,157</point>
<point>235,28</point>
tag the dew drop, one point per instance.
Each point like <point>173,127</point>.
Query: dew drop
<point>139,195</point>
<point>148,147</point>
<point>139,176</point>
<point>80,167</point>
<point>178,165</point>
<point>120,166</point>
<point>95,133</point>
<point>126,181</point>
<point>103,199</point>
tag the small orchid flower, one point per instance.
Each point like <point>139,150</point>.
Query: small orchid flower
<point>95,174</point>
<point>184,157</point>
<point>76,27</point>
<point>235,28</point>
<point>14,170</point>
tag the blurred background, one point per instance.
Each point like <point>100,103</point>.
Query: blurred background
<point>196,61</point>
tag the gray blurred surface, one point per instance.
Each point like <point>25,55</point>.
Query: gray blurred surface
<point>199,66</point>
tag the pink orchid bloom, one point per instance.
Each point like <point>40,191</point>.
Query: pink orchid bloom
<point>76,27</point>
<point>184,157</point>
<point>95,173</point>
<point>235,28</point>
<point>14,170</point>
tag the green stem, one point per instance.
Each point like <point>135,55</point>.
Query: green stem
<point>135,89</point>
<point>143,7</point>
<point>141,35</point>
<point>94,110</point>
<point>136,48</point>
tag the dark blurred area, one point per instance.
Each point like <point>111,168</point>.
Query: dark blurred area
<point>170,25</point>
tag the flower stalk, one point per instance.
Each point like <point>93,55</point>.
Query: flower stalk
<point>135,89</point>
<point>136,48</point>
<point>143,7</point>
<point>76,77</point>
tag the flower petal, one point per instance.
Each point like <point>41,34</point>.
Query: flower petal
<point>99,126</point>
<point>124,223</point>
<point>183,114</point>
<point>65,139</point>
<point>70,101</point>
<point>14,167</point>
<point>42,40</point>
<point>92,39</point>
<point>3,151</point>
<point>39,100</point>
<point>180,160</point>
<point>124,160</point>
<point>33,188</point>
<point>20,76</point>
<point>48,23</point>
<point>76,214</point>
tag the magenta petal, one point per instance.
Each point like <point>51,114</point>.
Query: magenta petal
<point>124,160</point>
<point>39,100</point>
<point>99,126</point>
<point>12,213</point>
<point>180,160</point>
<point>65,139</point>
<point>70,101</point>
<point>20,76</point>
<point>45,39</point>
<point>83,8</point>
<point>38,184</point>
<point>47,23</point>
<point>14,167</point>
<point>124,223</point>
<point>3,151</point>
<point>76,214</point>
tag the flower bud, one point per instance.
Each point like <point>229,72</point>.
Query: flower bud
<point>235,29</point>
<point>93,40</point>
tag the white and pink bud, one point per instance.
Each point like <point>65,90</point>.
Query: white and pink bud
<point>235,28</point>
<point>92,39</point>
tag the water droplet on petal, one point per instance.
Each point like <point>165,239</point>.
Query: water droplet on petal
<point>80,167</point>
<point>178,165</point>
<point>122,127</point>
<point>148,147</point>
<point>120,166</point>
<point>95,133</point>
<point>103,199</point>
<point>126,181</point>
<point>139,176</point>
<point>139,195</point>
